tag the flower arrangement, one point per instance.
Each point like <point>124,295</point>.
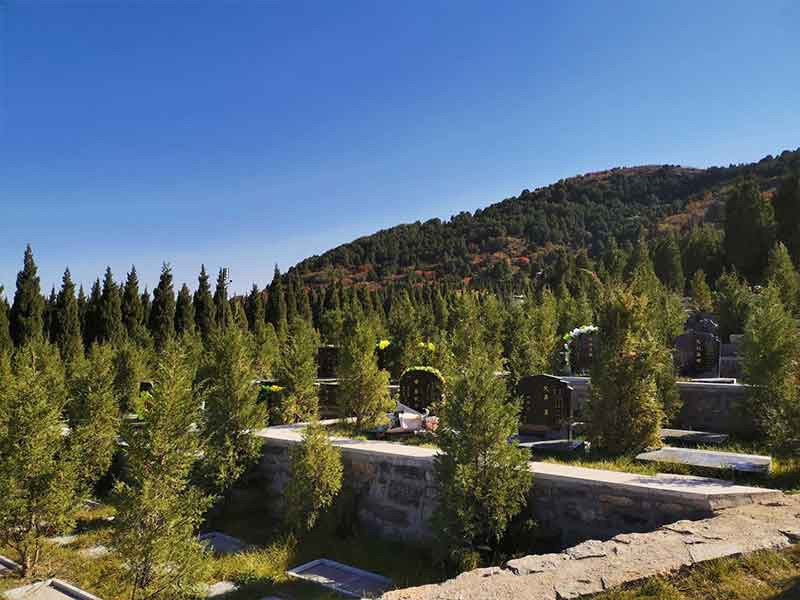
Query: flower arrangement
<point>384,344</point>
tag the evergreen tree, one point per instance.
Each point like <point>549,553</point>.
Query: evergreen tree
<point>132,309</point>
<point>254,309</point>
<point>783,276</point>
<point>703,249</point>
<point>276,305</point>
<point>481,479</point>
<point>83,307</point>
<point>316,478</point>
<point>363,387</point>
<point>331,326</point>
<point>49,314</point>
<point>130,369</point>
<point>184,312</point>
<point>232,410</point>
<point>771,354</point>
<point>66,322</point>
<point>626,406</point>
<point>93,413</point>
<point>112,328</point>
<point>204,310</point>
<point>749,230</point>
<point>787,215</point>
<point>702,299</point>
<point>222,308</point>
<point>668,265</point>
<point>404,333</point>
<point>37,484</point>
<point>27,311</point>
<point>162,313</point>
<point>532,337</point>
<point>159,510</point>
<point>92,329</point>
<point>297,374</point>
<point>266,350</point>
<point>147,306</point>
<point>6,345</point>
<point>733,301</point>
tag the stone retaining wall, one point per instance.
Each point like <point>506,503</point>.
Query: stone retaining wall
<point>395,492</point>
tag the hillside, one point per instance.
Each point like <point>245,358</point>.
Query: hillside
<point>585,211</point>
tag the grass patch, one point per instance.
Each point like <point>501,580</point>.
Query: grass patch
<point>764,575</point>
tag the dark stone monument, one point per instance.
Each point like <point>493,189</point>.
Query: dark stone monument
<point>327,361</point>
<point>546,404</point>
<point>697,354</point>
<point>420,388</point>
<point>581,353</point>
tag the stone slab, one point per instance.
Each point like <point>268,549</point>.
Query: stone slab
<point>221,588</point>
<point>553,446</point>
<point>710,459</point>
<point>341,578</point>
<point>694,437</point>
<point>221,544</point>
<point>52,589</point>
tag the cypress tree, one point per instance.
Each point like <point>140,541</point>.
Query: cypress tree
<point>66,322</point>
<point>276,305</point>
<point>782,274</point>
<point>204,311</point>
<point>702,298</point>
<point>787,215</point>
<point>668,265</point>
<point>162,313</point>
<point>111,327</point>
<point>82,307</point>
<point>6,345</point>
<point>297,373</point>
<point>132,310</point>
<point>221,306</point>
<point>147,305</point>
<point>27,311</point>
<point>749,230</point>
<point>404,333</point>
<point>184,312</point>
<point>254,309</point>
<point>93,325</point>
<point>49,311</point>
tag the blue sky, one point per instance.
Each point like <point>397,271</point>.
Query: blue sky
<point>243,134</point>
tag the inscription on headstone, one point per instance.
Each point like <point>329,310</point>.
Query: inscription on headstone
<point>581,353</point>
<point>327,361</point>
<point>420,388</point>
<point>546,404</point>
<point>697,354</point>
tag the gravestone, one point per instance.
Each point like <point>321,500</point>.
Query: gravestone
<point>709,459</point>
<point>341,578</point>
<point>581,353</point>
<point>546,404</point>
<point>420,388</point>
<point>697,354</point>
<point>327,361</point>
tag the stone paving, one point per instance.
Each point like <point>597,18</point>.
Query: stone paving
<point>593,566</point>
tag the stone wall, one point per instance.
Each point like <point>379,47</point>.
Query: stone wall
<point>396,494</point>
<point>705,406</point>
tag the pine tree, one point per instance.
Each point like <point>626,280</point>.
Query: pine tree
<point>770,356</point>
<point>232,410</point>
<point>112,328</point>
<point>49,315</point>
<point>221,306</point>
<point>184,312</point>
<point>363,387</point>
<point>37,483</point>
<point>266,350</point>
<point>162,313</point>
<point>732,305</point>
<point>6,345</point>
<point>532,336</point>
<point>254,309</point>
<point>749,230</point>
<point>276,305</point>
<point>297,374</point>
<point>93,412</point>
<point>481,479</point>
<point>27,311</point>
<point>159,510</point>
<point>132,310</point>
<point>92,321</point>
<point>316,478</point>
<point>204,311</point>
<point>787,215</point>
<point>404,333</point>
<point>66,322</point>
<point>668,265</point>
<point>147,306</point>
<point>783,276</point>
<point>130,369</point>
<point>702,299</point>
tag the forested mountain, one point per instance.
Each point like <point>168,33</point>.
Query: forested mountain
<point>519,234</point>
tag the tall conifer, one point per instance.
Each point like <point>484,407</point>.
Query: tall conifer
<point>93,325</point>
<point>184,312</point>
<point>221,306</point>
<point>112,329</point>
<point>66,321</point>
<point>6,345</point>
<point>276,305</point>
<point>132,309</point>
<point>204,311</point>
<point>162,313</point>
<point>27,311</point>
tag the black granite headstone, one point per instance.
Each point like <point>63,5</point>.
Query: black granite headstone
<point>420,388</point>
<point>581,353</point>
<point>546,404</point>
<point>697,354</point>
<point>327,361</point>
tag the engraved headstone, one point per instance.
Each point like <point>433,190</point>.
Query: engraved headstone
<point>581,353</point>
<point>420,388</point>
<point>327,361</point>
<point>546,404</point>
<point>697,354</point>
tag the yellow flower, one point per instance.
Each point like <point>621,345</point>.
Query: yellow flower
<point>384,344</point>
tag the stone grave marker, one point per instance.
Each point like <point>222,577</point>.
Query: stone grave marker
<point>327,361</point>
<point>51,589</point>
<point>420,388</point>
<point>710,459</point>
<point>220,543</point>
<point>697,354</point>
<point>581,352</point>
<point>546,404</point>
<point>341,578</point>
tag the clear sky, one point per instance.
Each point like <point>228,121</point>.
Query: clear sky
<point>243,134</point>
